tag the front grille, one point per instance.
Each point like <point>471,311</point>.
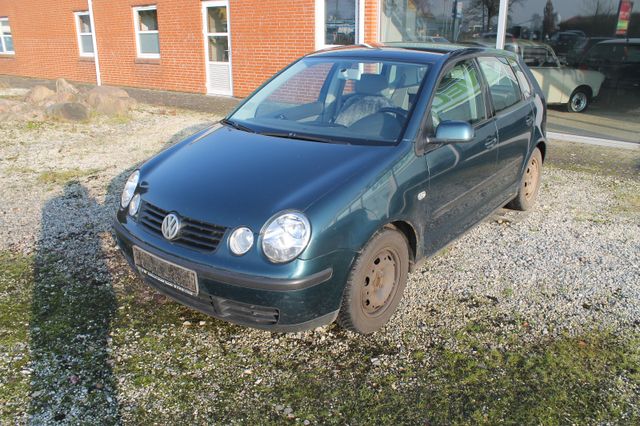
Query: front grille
<point>194,234</point>
<point>244,313</point>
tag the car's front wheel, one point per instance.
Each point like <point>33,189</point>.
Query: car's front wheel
<point>579,100</point>
<point>376,283</point>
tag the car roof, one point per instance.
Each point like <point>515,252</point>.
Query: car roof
<point>407,51</point>
<point>622,41</point>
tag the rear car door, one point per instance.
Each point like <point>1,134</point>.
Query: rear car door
<point>461,187</point>
<point>514,118</point>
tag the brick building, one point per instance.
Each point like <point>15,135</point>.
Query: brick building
<point>226,47</point>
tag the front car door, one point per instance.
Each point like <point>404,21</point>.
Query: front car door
<point>461,187</point>
<point>514,119</point>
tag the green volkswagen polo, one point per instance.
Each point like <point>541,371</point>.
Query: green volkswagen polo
<point>322,191</point>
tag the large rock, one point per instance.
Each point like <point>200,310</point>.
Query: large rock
<point>7,105</point>
<point>63,86</point>
<point>114,92</point>
<point>111,101</point>
<point>38,95</point>
<point>69,111</point>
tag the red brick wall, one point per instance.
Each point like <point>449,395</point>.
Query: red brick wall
<point>181,65</point>
<point>266,35</point>
<point>45,40</point>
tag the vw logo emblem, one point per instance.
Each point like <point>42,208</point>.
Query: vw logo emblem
<point>171,226</point>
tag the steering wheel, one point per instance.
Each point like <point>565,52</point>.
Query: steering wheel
<point>399,112</point>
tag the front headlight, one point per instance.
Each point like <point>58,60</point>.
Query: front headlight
<point>285,236</point>
<point>129,189</point>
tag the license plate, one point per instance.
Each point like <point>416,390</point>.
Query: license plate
<point>168,273</point>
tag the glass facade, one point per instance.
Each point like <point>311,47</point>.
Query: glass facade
<point>585,54</point>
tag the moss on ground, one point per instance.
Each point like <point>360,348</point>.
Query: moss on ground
<point>62,177</point>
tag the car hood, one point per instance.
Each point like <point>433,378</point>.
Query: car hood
<point>231,178</point>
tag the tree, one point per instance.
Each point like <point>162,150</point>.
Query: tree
<point>549,20</point>
<point>491,9</point>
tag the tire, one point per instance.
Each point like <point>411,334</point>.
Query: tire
<point>579,100</point>
<point>529,184</point>
<point>376,283</point>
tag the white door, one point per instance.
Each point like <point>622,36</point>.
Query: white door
<point>215,15</point>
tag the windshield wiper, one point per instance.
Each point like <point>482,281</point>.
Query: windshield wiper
<point>237,125</point>
<point>292,135</point>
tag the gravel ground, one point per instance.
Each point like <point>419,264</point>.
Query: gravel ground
<point>82,340</point>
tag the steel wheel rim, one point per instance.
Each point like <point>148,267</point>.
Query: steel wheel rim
<point>531,179</point>
<point>579,102</point>
<point>380,282</point>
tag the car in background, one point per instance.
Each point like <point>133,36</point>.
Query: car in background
<point>563,42</point>
<point>561,85</point>
<point>316,197</point>
<point>619,61</point>
<point>575,55</point>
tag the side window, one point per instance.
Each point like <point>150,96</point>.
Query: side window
<point>503,84</point>
<point>525,87</point>
<point>459,96</point>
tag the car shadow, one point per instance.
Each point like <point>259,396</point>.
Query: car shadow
<point>74,306</point>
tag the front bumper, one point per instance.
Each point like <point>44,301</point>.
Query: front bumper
<point>261,302</point>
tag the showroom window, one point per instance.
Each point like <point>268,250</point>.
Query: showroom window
<point>584,54</point>
<point>85,33</point>
<point>339,22</point>
<point>146,26</point>
<point>6,39</point>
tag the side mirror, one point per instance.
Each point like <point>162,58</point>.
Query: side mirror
<point>453,132</point>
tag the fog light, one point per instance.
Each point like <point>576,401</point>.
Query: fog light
<point>241,241</point>
<point>134,205</point>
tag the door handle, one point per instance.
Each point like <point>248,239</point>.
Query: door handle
<point>529,120</point>
<point>490,142</point>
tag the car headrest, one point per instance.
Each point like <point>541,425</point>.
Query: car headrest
<point>371,84</point>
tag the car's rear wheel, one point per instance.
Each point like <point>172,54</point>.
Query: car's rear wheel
<point>376,283</point>
<point>579,100</point>
<point>530,183</point>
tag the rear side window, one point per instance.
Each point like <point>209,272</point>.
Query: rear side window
<point>503,84</point>
<point>525,87</point>
<point>459,96</point>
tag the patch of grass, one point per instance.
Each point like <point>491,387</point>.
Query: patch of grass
<point>55,177</point>
<point>120,119</point>
<point>34,125</point>
<point>627,203</point>
<point>16,278</point>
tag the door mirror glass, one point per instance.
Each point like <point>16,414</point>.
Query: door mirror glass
<point>454,132</point>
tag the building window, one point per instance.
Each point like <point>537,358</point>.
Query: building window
<point>338,22</point>
<point>146,26</point>
<point>85,33</point>
<point>6,40</point>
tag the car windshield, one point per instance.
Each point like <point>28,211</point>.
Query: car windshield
<point>335,100</point>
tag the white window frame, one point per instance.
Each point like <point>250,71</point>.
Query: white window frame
<point>321,24</point>
<point>2,36</point>
<point>136,25</point>
<point>77,16</point>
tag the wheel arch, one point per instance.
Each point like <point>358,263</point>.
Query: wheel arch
<point>584,87</point>
<point>542,146</point>
<point>410,234</point>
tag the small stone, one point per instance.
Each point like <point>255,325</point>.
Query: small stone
<point>288,410</point>
<point>187,323</point>
<point>247,372</point>
<point>73,379</point>
<point>202,323</point>
<point>279,407</point>
<point>306,422</point>
<point>375,361</point>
